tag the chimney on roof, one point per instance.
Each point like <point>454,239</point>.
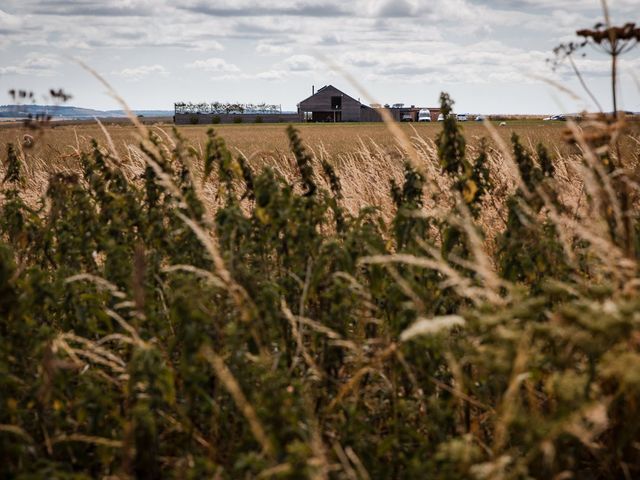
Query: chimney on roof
<point>313,89</point>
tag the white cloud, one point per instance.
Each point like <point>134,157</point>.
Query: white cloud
<point>138,73</point>
<point>272,75</point>
<point>266,48</point>
<point>34,64</point>
<point>448,62</point>
<point>301,63</point>
<point>94,8</point>
<point>9,23</point>
<point>260,8</point>
<point>218,65</point>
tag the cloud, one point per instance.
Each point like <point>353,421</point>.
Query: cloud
<point>599,67</point>
<point>397,8</point>
<point>138,73</point>
<point>269,75</point>
<point>574,5</point>
<point>267,48</point>
<point>483,63</point>
<point>293,66</point>
<point>9,23</point>
<point>34,64</point>
<point>272,75</point>
<point>94,8</point>
<point>218,65</point>
<point>330,39</point>
<point>300,63</point>
<point>245,8</point>
<point>257,28</point>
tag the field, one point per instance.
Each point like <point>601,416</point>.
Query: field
<point>271,139</point>
<point>366,156</point>
<point>367,149</point>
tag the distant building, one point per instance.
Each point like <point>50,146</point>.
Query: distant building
<point>329,104</point>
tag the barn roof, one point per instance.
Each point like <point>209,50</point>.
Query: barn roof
<point>327,87</point>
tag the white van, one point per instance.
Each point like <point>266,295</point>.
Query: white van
<point>424,115</point>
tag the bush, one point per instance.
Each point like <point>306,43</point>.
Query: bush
<point>259,119</point>
<point>237,120</point>
<point>215,119</point>
<point>194,119</point>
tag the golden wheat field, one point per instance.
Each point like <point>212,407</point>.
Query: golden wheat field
<point>366,156</point>
<point>271,140</point>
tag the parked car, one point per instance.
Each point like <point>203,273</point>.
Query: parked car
<point>407,118</point>
<point>480,118</point>
<point>462,117</point>
<point>441,118</point>
<point>424,115</point>
<point>555,118</point>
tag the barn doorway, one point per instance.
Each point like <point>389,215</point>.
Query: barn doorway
<point>333,116</point>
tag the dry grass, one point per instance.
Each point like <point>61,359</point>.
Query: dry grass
<point>366,158</point>
<point>271,140</point>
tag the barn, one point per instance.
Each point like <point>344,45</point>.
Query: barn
<point>332,105</point>
<point>329,104</point>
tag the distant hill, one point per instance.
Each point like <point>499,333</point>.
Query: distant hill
<point>72,113</point>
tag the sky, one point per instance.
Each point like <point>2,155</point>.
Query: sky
<point>491,56</point>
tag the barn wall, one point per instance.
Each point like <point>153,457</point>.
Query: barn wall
<point>350,110</point>
<point>368,114</point>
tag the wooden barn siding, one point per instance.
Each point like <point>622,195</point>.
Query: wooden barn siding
<point>350,110</point>
<point>368,114</point>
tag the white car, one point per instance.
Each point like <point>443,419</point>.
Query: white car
<point>424,115</point>
<point>555,118</point>
<point>461,117</point>
<point>441,118</point>
<point>479,118</point>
